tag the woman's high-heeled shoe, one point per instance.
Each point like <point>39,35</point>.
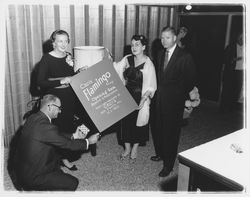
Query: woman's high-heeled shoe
<point>123,157</point>
<point>73,168</point>
<point>132,160</point>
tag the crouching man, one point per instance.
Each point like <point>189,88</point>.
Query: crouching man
<point>38,161</point>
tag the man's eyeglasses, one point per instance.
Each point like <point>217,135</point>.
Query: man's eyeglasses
<point>59,107</point>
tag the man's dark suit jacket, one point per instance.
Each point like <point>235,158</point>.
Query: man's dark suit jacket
<point>232,79</point>
<point>175,82</point>
<point>37,148</point>
<point>230,56</point>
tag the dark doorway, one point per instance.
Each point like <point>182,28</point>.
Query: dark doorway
<point>209,30</point>
<point>208,36</point>
<point>236,27</point>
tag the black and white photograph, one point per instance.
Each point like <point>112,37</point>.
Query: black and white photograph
<point>124,96</point>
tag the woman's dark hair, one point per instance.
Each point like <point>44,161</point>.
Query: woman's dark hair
<point>184,29</point>
<point>143,40</point>
<point>58,32</point>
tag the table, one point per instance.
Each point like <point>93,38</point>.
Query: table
<point>215,166</point>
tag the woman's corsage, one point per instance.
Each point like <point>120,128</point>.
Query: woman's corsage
<point>69,60</point>
<point>193,101</point>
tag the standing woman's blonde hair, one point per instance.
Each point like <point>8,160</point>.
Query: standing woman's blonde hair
<point>58,32</point>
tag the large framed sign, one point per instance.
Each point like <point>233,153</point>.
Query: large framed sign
<point>103,94</point>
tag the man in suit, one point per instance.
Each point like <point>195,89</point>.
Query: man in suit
<point>233,72</point>
<point>38,159</point>
<point>175,75</point>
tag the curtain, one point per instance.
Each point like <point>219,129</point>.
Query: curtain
<point>28,27</point>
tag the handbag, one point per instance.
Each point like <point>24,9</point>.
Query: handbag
<point>143,115</point>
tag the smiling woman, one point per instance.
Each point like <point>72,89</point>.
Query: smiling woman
<point>54,76</point>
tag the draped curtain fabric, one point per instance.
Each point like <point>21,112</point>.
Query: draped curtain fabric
<point>28,27</point>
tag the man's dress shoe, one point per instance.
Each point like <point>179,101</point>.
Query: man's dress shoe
<point>165,172</point>
<point>156,158</point>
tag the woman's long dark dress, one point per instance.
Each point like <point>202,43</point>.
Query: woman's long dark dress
<point>53,67</point>
<point>130,132</point>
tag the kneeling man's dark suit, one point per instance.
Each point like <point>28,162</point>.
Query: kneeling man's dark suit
<point>38,162</point>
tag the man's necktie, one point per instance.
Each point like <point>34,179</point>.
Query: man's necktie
<point>166,60</point>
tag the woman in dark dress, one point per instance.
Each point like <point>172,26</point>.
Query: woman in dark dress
<point>138,74</point>
<point>55,70</point>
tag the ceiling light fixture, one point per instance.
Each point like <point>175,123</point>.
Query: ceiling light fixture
<point>188,7</point>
